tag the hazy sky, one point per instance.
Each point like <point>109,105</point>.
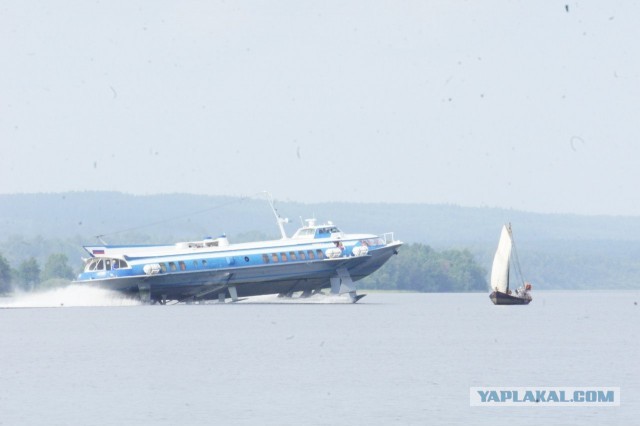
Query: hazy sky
<point>514,104</point>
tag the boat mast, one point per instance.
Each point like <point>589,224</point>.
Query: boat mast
<point>281,221</point>
<point>515,257</point>
<point>511,250</point>
<point>508,275</point>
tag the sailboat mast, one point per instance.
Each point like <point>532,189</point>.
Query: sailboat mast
<point>516,259</point>
<point>510,255</point>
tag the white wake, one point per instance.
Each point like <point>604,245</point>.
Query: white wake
<point>315,298</point>
<point>69,296</point>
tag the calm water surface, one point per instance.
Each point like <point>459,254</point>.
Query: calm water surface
<point>390,359</point>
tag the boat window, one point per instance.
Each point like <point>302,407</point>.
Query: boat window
<point>283,256</point>
<point>292,255</point>
<point>274,257</point>
<point>107,263</point>
<point>172,266</point>
<point>163,267</point>
<point>320,254</point>
<point>305,233</point>
<point>118,264</point>
<point>311,255</point>
<point>246,258</point>
<point>375,242</point>
<point>322,233</point>
<point>183,267</point>
<point>301,255</point>
<point>100,265</point>
<point>204,263</point>
<point>195,264</point>
<point>91,265</point>
<point>265,258</point>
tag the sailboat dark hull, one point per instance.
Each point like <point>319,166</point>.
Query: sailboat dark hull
<point>499,298</point>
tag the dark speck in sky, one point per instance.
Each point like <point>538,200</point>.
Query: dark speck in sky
<point>576,141</point>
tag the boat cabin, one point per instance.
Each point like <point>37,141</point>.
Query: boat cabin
<point>313,231</point>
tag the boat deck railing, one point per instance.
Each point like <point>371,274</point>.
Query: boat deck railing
<point>388,237</point>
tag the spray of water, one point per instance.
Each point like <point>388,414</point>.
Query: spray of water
<point>78,295</point>
<point>313,299</point>
<point>72,295</point>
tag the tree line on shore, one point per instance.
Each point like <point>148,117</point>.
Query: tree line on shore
<point>29,276</point>
<point>420,268</point>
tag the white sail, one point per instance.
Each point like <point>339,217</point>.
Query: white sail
<point>500,269</point>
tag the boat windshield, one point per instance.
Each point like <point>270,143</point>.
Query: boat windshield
<point>317,232</point>
<point>326,232</point>
<point>104,264</point>
<point>304,233</point>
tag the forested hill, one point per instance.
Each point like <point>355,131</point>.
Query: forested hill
<point>88,214</point>
<point>555,251</point>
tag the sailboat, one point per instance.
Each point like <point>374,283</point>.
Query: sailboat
<point>505,257</point>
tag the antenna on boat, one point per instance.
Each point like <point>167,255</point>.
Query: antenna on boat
<point>281,221</point>
<point>99,237</point>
